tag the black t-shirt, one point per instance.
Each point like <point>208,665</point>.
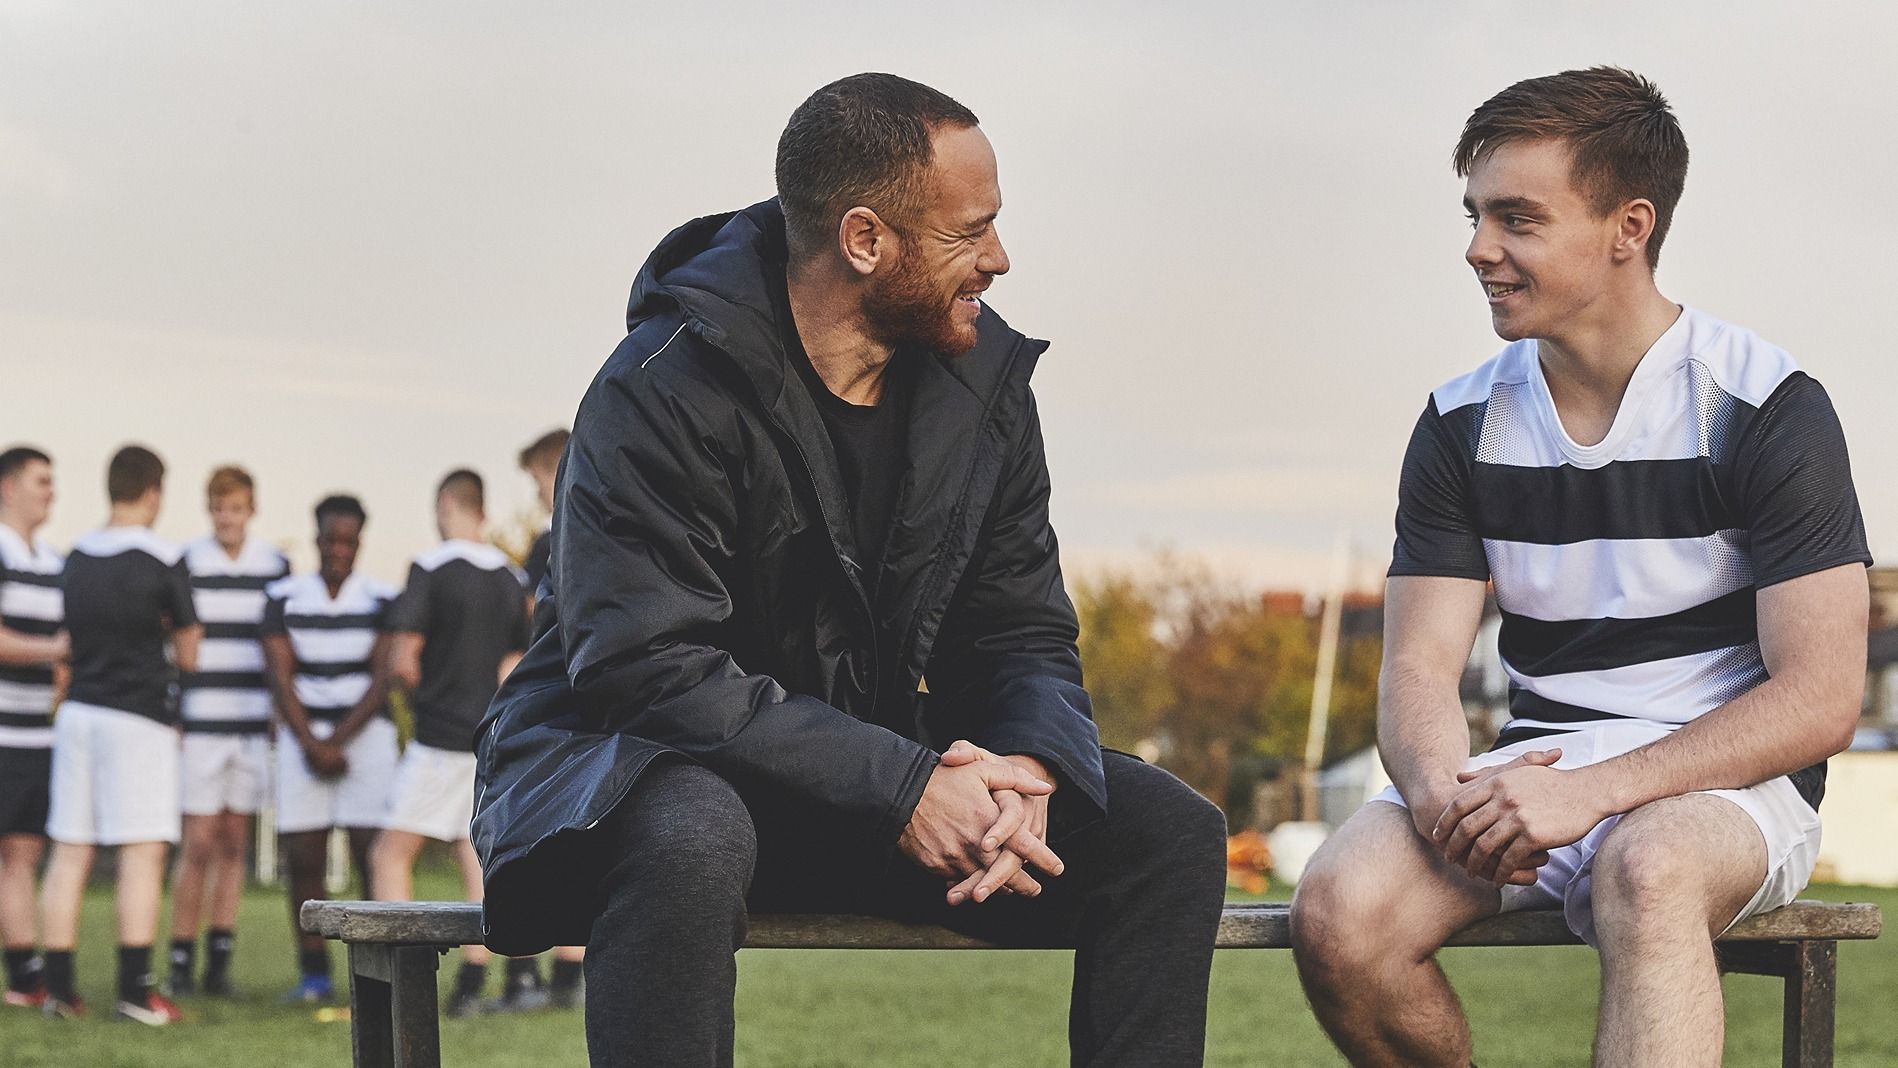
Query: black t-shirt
<point>125,589</point>
<point>464,599</point>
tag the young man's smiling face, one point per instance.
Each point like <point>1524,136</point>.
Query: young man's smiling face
<point>1541,252</point>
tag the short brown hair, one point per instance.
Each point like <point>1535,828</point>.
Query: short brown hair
<point>230,479</point>
<point>134,471</point>
<point>464,487</point>
<point>862,141</point>
<point>1624,137</point>
<point>545,451</point>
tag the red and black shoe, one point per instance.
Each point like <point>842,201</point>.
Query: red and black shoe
<point>156,1010</point>
<point>26,999</point>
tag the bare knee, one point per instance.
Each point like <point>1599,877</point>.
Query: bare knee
<point>1338,914</point>
<point>1644,886</point>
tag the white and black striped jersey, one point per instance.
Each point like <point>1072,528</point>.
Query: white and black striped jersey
<point>227,694</point>
<point>1626,571</point>
<point>126,590</point>
<point>30,603</point>
<point>331,637</point>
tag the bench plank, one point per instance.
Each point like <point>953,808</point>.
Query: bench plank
<point>1244,926</point>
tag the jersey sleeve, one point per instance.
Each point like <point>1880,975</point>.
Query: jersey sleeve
<point>1436,523</point>
<point>175,592</point>
<point>273,621</point>
<point>1793,480</point>
<point>411,609</point>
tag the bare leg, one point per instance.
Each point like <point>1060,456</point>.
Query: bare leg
<point>1668,878</point>
<point>304,854</point>
<point>471,888</point>
<point>141,886</point>
<point>362,842</point>
<point>195,857</point>
<point>392,865</point>
<point>19,864</point>
<point>1371,910</point>
<point>230,846</point>
<point>61,892</point>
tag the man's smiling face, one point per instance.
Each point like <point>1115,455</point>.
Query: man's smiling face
<point>1541,251</point>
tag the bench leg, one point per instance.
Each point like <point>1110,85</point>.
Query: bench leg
<point>392,1008</point>
<point>1811,995</point>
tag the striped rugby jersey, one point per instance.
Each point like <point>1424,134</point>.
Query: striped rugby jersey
<point>1626,571</point>
<point>227,694</point>
<point>30,603</point>
<point>331,637</point>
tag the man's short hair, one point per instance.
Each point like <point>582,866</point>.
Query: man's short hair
<point>340,504</point>
<point>464,487</point>
<point>17,457</point>
<point>859,141</point>
<point>230,479</point>
<point>1624,137</point>
<point>545,451</point>
<point>134,471</point>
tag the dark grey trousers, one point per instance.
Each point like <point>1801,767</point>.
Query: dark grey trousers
<point>1140,899</point>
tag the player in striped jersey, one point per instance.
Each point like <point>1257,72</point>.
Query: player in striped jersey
<point>32,646</point>
<point>1664,504</point>
<point>225,711</point>
<point>326,649</point>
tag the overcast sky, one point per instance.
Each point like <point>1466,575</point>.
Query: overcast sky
<point>352,246</point>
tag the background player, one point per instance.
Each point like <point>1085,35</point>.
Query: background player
<point>32,646</point>
<point>225,711</point>
<point>325,638</point>
<point>115,740</point>
<point>460,626</point>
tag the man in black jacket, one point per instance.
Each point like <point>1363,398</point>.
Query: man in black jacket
<point>810,479</point>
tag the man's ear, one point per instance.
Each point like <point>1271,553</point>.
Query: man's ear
<point>864,240</point>
<point>1634,227</point>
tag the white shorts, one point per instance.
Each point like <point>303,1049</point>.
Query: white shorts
<point>115,777</point>
<point>434,793</point>
<point>225,773</point>
<point>1789,825</point>
<point>358,798</point>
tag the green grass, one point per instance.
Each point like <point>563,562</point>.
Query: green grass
<point>810,1009</point>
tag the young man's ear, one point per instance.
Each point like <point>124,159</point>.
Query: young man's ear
<point>1634,227</point>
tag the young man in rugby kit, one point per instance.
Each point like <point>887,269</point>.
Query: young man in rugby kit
<point>115,740</point>
<point>541,461</point>
<point>225,710</point>
<point>460,626</point>
<point>1665,507</point>
<point>33,646</point>
<point>325,639</point>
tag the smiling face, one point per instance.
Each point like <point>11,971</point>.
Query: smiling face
<point>338,538</point>
<point>1544,256</point>
<point>230,514</point>
<point>27,494</point>
<point>950,251</point>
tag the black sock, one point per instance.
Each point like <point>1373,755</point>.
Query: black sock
<point>218,945</point>
<point>469,979</point>
<point>59,973</point>
<point>522,973</point>
<point>314,961</point>
<point>183,952</point>
<point>567,973</point>
<point>135,973</point>
<point>23,969</point>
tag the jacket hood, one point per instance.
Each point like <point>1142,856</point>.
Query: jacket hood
<point>717,271</point>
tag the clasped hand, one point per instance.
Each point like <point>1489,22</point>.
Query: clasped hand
<point>1501,825</point>
<point>982,819</point>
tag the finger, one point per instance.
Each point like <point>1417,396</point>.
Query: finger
<point>996,877</point>
<point>1486,854</point>
<point>1001,775</point>
<point>1535,758</point>
<point>1461,838</point>
<point>1464,803</point>
<point>1033,850</point>
<point>961,752</point>
<point>1520,854</point>
<point>959,892</point>
<point>1015,812</point>
<point>1023,884</point>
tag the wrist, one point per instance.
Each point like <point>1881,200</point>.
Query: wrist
<point>1603,789</point>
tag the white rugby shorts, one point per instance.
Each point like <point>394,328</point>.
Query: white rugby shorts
<point>434,793</point>
<point>115,777</point>
<point>357,798</point>
<point>225,773</point>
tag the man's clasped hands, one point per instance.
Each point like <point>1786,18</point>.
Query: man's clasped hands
<point>982,820</point>
<point>1502,822</point>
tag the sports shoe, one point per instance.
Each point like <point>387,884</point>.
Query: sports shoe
<point>311,989</point>
<point>26,999</point>
<point>216,986</point>
<point>58,1008</point>
<point>461,1005</point>
<point>569,996</point>
<point>181,984</point>
<point>156,1010</point>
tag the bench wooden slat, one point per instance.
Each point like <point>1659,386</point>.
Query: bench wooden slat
<point>1244,926</point>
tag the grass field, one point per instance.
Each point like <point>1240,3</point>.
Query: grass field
<point>893,1010</point>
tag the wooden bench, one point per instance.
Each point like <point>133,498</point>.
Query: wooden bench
<point>394,948</point>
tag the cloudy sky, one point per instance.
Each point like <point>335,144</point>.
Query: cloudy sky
<point>353,246</point>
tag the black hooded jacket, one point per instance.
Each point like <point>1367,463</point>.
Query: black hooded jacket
<point>707,603</point>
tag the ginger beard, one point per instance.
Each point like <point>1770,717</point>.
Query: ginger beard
<point>909,308</point>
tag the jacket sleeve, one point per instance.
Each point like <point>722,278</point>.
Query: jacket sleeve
<point>1005,666</point>
<point>645,536</point>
